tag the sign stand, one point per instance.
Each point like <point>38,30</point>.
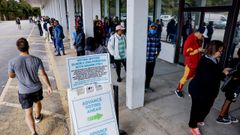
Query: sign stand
<point>115,89</point>
<point>91,105</point>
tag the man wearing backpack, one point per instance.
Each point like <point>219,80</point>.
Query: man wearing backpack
<point>59,36</point>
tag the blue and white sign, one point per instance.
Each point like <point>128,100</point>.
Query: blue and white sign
<point>89,69</point>
<point>93,113</point>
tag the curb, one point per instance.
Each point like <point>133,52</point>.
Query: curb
<point>5,89</point>
<point>62,91</point>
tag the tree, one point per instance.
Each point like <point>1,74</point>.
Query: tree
<point>10,9</point>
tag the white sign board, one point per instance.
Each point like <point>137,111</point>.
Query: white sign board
<point>90,98</point>
<point>89,69</point>
<point>93,113</point>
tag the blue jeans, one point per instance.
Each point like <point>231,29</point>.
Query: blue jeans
<point>59,45</point>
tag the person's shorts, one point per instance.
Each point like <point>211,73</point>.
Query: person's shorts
<point>230,92</point>
<point>27,100</point>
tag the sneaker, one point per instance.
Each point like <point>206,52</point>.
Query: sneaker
<point>221,120</point>
<point>231,118</point>
<point>179,93</point>
<point>201,123</point>
<point>58,54</point>
<point>119,79</point>
<point>195,131</point>
<point>39,119</point>
<point>149,90</point>
<point>35,134</point>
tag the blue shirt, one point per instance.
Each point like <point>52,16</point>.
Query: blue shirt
<point>153,47</point>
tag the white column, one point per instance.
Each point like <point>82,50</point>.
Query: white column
<point>71,18</point>
<point>63,20</point>
<point>87,17</point>
<point>91,8</point>
<point>106,8</point>
<point>42,11</point>
<point>53,8</point>
<point>137,13</point>
<point>117,8</point>
<point>158,8</point>
<point>96,5</point>
<point>57,10</point>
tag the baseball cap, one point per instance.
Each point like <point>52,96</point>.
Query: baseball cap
<point>153,25</point>
<point>120,27</point>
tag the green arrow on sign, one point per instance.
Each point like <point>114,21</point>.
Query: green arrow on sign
<point>95,117</point>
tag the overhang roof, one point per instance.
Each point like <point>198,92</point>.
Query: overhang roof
<point>37,3</point>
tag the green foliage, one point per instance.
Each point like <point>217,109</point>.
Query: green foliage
<point>12,9</point>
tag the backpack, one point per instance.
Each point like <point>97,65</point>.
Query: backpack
<point>62,35</point>
<point>229,77</point>
<point>45,26</point>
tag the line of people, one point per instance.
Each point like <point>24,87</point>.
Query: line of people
<point>201,65</point>
<point>51,30</point>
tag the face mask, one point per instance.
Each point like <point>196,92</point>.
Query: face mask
<point>153,31</point>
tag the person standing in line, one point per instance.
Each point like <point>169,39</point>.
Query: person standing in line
<point>18,22</point>
<point>192,52</point>
<point>153,51</point>
<point>92,47</point>
<point>159,27</point>
<point>79,41</point>
<point>209,33</point>
<point>204,87</point>
<point>231,90</point>
<point>117,48</point>
<point>26,68</point>
<point>98,32</point>
<point>51,31</point>
<point>59,36</point>
<point>236,39</point>
<point>40,27</point>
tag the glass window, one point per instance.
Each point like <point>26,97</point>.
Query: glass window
<point>77,7</point>
<point>169,16</point>
<point>103,8</point>
<point>112,6</point>
<point>123,9</point>
<point>151,9</point>
<point>236,39</point>
<point>208,3</point>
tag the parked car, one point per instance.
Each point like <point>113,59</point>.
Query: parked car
<point>166,17</point>
<point>219,20</point>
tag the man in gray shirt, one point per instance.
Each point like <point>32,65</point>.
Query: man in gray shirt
<point>26,68</point>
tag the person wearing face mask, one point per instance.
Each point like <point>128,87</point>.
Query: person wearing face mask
<point>204,87</point>
<point>192,51</point>
<point>153,50</point>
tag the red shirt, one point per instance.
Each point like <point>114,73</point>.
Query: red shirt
<point>192,44</point>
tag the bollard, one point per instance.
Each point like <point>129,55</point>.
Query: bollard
<point>115,91</point>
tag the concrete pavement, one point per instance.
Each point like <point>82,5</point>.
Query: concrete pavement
<point>12,116</point>
<point>163,113</point>
<point>8,36</point>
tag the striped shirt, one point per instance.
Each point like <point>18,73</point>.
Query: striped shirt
<point>121,47</point>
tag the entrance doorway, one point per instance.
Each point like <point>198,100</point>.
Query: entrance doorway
<point>220,20</point>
